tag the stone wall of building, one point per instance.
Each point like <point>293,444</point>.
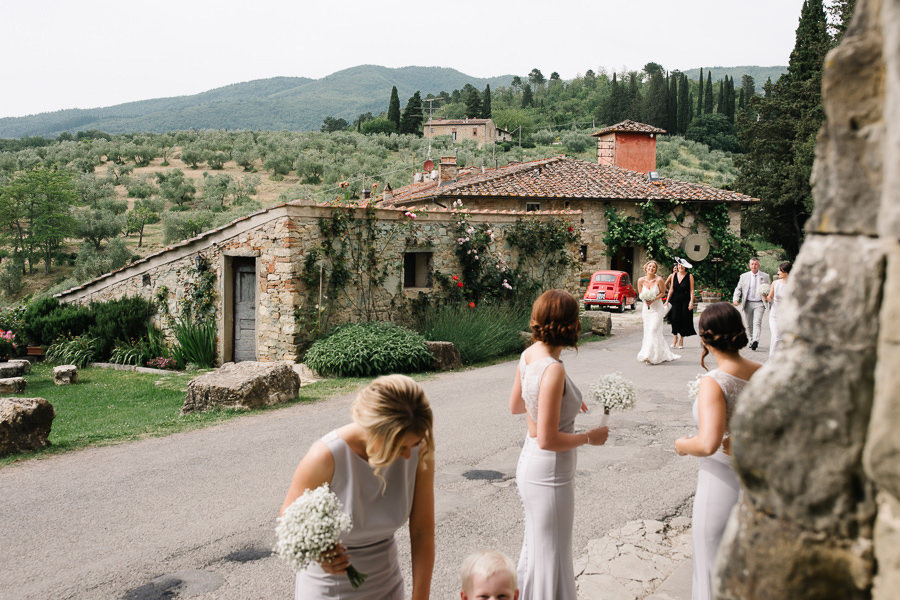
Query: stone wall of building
<point>815,434</point>
<point>285,244</point>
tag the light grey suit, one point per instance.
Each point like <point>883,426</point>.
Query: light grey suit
<point>752,310</point>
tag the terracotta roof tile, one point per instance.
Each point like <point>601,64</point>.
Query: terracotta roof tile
<point>630,127</point>
<point>561,177</point>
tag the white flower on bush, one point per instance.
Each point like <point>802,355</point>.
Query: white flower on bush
<point>647,296</point>
<point>311,526</point>
<point>614,392</point>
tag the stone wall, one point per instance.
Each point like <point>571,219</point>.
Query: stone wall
<point>815,434</point>
<point>282,242</point>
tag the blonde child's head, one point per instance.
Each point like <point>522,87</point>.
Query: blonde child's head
<point>489,575</point>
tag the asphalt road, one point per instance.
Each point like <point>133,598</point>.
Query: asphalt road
<point>193,514</point>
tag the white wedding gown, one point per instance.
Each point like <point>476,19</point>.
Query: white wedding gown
<point>654,348</point>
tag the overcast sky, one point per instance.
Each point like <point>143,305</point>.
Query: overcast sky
<point>60,54</point>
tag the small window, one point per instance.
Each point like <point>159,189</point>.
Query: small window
<point>145,280</point>
<point>475,131</point>
<point>583,253</point>
<point>432,129</point>
<point>626,280</point>
<point>417,270</point>
<point>532,206</point>
<point>605,278</point>
<point>454,136</point>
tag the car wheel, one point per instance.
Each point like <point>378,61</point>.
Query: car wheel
<point>621,307</point>
<point>634,304</point>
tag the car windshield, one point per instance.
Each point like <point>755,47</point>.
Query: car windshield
<point>604,278</point>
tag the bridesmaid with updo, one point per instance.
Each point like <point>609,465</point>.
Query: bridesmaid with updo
<point>545,475</point>
<point>722,334</point>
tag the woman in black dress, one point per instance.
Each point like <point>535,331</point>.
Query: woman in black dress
<point>680,286</point>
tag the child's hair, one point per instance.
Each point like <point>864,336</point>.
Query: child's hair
<point>389,408</point>
<point>722,328</point>
<point>554,319</point>
<point>486,563</point>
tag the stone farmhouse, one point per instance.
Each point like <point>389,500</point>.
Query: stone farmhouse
<point>482,131</point>
<point>623,179</point>
<point>282,274</point>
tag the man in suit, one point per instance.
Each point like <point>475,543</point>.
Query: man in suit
<point>750,301</point>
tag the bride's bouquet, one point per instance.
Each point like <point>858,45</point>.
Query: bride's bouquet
<point>311,526</point>
<point>613,392</point>
<point>693,387</point>
<point>764,289</point>
<point>647,296</point>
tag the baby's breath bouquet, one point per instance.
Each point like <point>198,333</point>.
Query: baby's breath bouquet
<point>613,392</point>
<point>764,289</point>
<point>311,526</point>
<point>693,387</point>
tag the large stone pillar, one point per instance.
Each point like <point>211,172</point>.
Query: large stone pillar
<point>815,437</point>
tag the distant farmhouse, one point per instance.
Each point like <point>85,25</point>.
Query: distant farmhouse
<point>482,131</point>
<point>623,178</point>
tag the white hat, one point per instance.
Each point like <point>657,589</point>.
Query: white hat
<point>684,263</point>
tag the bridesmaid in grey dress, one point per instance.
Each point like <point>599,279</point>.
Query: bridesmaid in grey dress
<point>722,334</point>
<point>381,467</point>
<point>546,471</point>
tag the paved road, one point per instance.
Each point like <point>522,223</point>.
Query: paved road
<point>194,512</point>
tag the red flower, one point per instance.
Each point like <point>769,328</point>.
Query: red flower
<point>459,283</point>
<point>471,305</point>
<point>455,278</point>
<point>571,229</point>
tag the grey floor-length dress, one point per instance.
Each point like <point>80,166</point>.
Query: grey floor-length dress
<point>718,491</point>
<point>546,482</point>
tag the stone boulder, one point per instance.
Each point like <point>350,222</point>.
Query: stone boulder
<point>14,368</point>
<point>65,374</point>
<point>446,356</point>
<point>12,385</point>
<point>24,424</point>
<point>601,322</point>
<point>244,385</point>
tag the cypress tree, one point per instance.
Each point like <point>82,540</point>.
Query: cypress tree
<point>393,114</point>
<point>672,105</point>
<point>780,144</point>
<point>473,104</point>
<point>486,102</point>
<point>700,94</point>
<point>527,96</point>
<point>413,116</point>
<point>708,95</point>
<point>685,105</point>
<point>720,101</point>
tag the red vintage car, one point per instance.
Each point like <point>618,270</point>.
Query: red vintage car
<point>612,289</point>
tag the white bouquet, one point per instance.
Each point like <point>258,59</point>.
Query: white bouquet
<point>647,296</point>
<point>311,526</point>
<point>764,290</point>
<point>613,392</point>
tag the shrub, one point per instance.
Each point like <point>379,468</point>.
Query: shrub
<point>196,342</point>
<point>369,349</point>
<point>64,322</point>
<point>120,321</point>
<point>480,333</point>
<point>80,351</point>
<point>133,352</point>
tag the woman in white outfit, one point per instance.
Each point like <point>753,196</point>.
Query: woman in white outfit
<point>722,334</point>
<point>775,294</point>
<point>545,475</point>
<point>654,349</point>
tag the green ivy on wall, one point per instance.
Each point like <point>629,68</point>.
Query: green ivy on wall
<point>652,228</point>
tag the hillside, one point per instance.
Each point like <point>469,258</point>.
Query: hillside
<point>276,104</point>
<point>759,74</point>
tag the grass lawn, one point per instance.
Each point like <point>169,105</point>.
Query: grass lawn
<point>108,406</point>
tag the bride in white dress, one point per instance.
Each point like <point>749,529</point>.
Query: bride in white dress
<point>654,349</point>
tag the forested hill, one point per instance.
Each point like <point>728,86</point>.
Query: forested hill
<point>759,74</point>
<point>279,103</point>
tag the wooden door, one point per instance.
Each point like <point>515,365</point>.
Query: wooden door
<point>244,310</point>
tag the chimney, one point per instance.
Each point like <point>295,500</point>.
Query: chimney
<point>366,194</point>
<point>388,193</point>
<point>447,169</point>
